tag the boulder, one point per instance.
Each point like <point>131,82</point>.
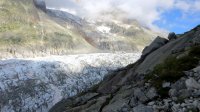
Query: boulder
<point>133,102</point>
<point>173,92</point>
<point>152,93</point>
<point>140,95</point>
<point>185,93</point>
<point>166,84</point>
<point>172,36</point>
<point>157,43</point>
<point>197,69</point>
<point>192,84</point>
<point>180,84</point>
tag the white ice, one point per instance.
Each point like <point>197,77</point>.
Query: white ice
<point>39,83</point>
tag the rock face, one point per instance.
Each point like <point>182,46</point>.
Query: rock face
<point>192,84</point>
<point>128,90</point>
<point>156,44</point>
<point>172,36</point>
<point>173,47</point>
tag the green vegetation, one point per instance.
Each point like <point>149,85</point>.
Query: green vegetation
<point>9,27</point>
<point>25,29</point>
<point>181,99</point>
<point>195,52</point>
<point>13,40</point>
<point>172,69</point>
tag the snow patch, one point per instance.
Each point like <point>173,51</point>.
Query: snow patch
<point>104,29</point>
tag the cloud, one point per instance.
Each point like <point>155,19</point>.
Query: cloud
<point>144,11</point>
<point>188,6</point>
<point>197,5</point>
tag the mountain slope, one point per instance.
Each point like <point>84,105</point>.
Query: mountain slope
<point>165,78</point>
<point>29,29</point>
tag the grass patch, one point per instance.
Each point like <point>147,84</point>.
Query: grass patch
<point>12,40</point>
<point>172,69</point>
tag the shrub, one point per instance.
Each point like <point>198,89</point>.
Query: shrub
<point>172,69</point>
<point>13,40</point>
<point>195,52</point>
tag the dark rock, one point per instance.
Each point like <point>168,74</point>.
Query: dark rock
<point>112,85</point>
<point>96,106</point>
<point>83,99</point>
<point>133,102</point>
<point>196,93</point>
<point>125,109</point>
<point>93,105</point>
<point>152,93</point>
<point>172,36</point>
<point>40,4</point>
<point>79,100</point>
<point>180,84</point>
<point>173,92</point>
<point>139,94</point>
<point>185,93</point>
<point>142,108</point>
<point>120,100</point>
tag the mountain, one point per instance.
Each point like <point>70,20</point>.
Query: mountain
<point>166,78</point>
<point>29,29</point>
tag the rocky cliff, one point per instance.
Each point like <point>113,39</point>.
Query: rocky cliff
<point>165,79</point>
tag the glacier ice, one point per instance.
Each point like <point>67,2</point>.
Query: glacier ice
<point>37,84</point>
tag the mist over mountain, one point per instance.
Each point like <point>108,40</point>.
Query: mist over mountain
<point>159,15</point>
<point>145,12</point>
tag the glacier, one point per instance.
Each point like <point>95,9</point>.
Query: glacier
<point>36,84</point>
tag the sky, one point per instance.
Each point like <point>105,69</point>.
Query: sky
<point>176,16</point>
